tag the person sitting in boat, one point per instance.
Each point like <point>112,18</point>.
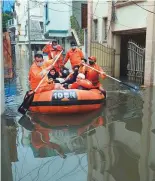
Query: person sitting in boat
<point>53,74</point>
<point>81,83</point>
<point>64,72</point>
<point>82,67</point>
<point>72,76</point>
<point>93,75</point>
<point>37,71</point>
<point>53,49</point>
<point>74,54</point>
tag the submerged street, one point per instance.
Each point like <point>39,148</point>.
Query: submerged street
<point>115,143</point>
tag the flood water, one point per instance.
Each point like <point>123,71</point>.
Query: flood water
<point>115,143</point>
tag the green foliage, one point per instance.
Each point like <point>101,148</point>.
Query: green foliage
<point>75,25</point>
<point>5,17</point>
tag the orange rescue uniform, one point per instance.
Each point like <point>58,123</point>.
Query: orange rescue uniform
<point>40,138</point>
<point>81,83</point>
<point>93,76</point>
<point>75,57</point>
<point>35,77</point>
<point>52,53</point>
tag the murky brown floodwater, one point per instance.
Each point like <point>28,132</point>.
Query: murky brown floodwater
<point>116,143</point>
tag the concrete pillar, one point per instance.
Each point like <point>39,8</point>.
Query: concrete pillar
<point>89,24</point>
<point>2,94</point>
<point>110,28</point>
<point>85,43</point>
<point>149,74</point>
<point>117,44</point>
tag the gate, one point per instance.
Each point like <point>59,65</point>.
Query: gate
<point>105,57</point>
<point>135,66</point>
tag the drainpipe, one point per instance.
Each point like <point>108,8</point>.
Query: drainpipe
<point>90,18</point>
<point>2,64</point>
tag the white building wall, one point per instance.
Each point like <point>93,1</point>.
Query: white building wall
<point>58,16</point>
<point>130,17</point>
<point>36,13</point>
<point>100,11</point>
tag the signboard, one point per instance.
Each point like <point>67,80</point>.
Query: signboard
<point>64,95</point>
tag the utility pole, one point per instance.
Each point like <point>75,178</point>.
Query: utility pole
<point>29,38</point>
<point>2,63</point>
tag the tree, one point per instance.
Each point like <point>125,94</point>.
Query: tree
<point>6,16</point>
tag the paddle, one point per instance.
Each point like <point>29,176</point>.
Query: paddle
<point>133,87</point>
<point>29,98</point>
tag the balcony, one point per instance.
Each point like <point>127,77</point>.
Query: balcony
<point>11,23</point>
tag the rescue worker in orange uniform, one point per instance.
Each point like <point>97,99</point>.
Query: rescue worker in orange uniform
<point>81,83</point>
<point>53,49</point>
<point>37,71</point>
<point>93,75</point>
<point>74,54</point>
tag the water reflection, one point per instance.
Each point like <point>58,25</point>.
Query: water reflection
<point>115,143</point>
<point>55,148</point>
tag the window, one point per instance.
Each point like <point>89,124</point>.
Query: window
<point>95,29</point>
<point>105,26</point>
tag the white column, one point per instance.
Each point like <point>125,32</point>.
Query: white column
<point>2,95</point>
<point>110,28</point>
<point>117,44</point>
<point>149,74</point>
<point>89,25</point>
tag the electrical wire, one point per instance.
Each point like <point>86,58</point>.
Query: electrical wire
<point>143,8</point>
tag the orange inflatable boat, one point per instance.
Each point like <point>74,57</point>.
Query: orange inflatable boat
<point>67,101</point>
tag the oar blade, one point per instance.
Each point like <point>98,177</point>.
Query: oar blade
<point>26,104</point>
<point>134,87</point>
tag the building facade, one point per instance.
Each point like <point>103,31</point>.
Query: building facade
<point>21,30</point>
<point>126,27</point>
<point>62,21</point>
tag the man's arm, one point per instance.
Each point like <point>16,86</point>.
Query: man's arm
<point>81,54</point>
<point>66,58</point>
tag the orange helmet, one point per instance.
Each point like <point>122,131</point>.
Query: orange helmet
<point>92,58</point>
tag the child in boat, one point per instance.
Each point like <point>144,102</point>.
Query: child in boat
<point>53,74</point>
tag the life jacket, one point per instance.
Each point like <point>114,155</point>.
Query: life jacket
<point>35,78</point>
<point>93,75</point>
<point>82,84</point>
<point>52,53</point>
